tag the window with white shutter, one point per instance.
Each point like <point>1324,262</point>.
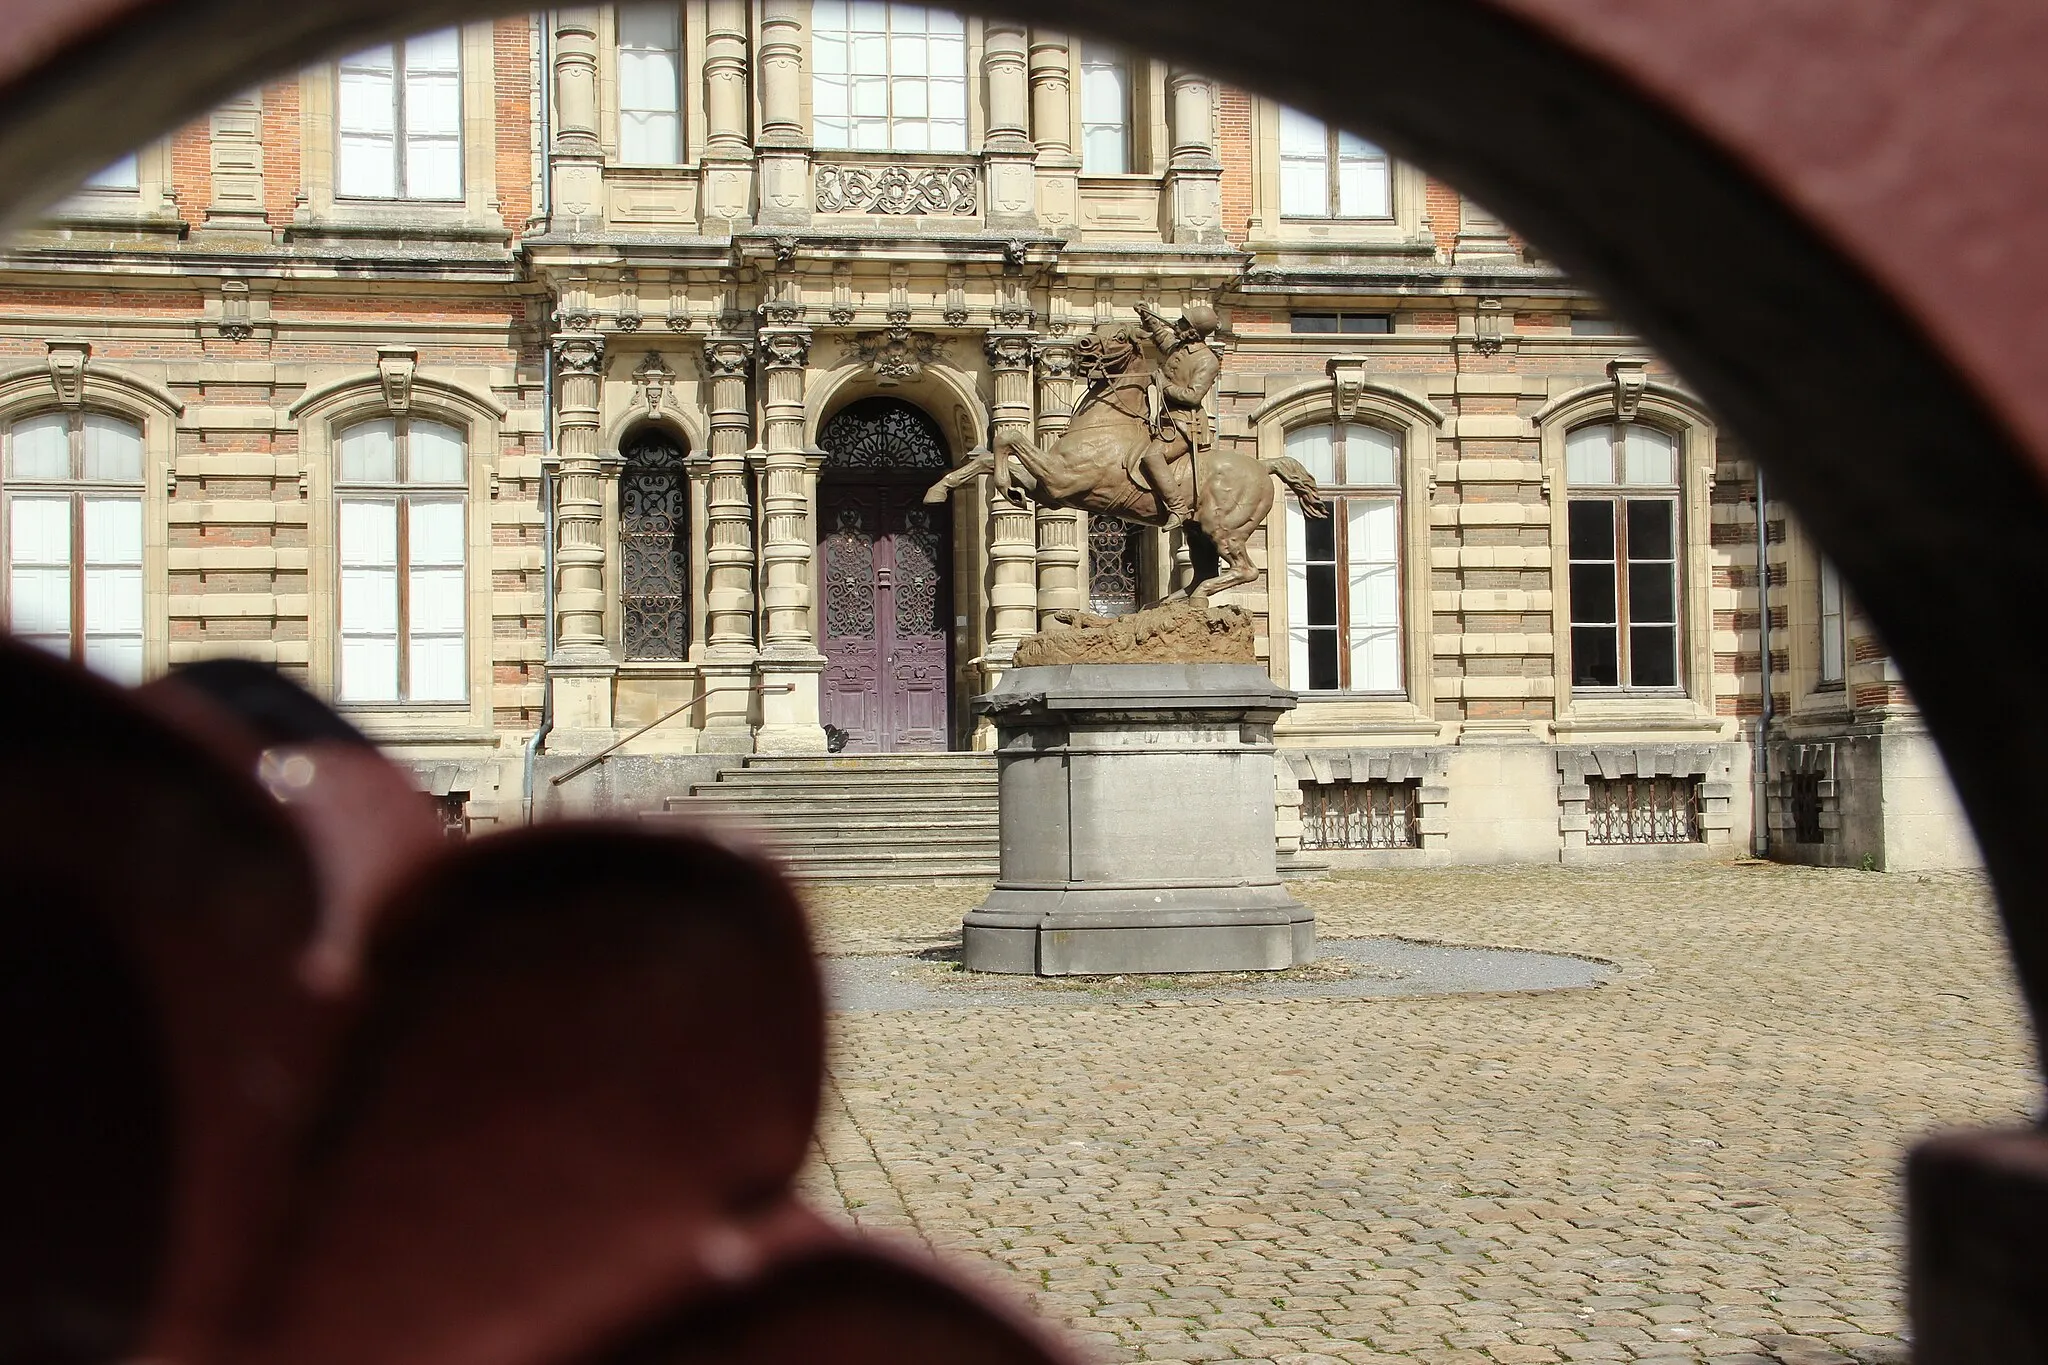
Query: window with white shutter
<point>1834,652</point>
<point>1344,572</point>
<point>73,528</point>
<point>1328,173</point>
<point>888,77</point>
<point>401,539</point>
<point>400,120</point>
<point>1105,110</point>
<point>650,85</point>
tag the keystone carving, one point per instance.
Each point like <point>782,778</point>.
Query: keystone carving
<point>67,370</point>
<point>1348,372</point>
<point>896,355</point>
<point>1630,378</point>
<point>655,381</point>
<point>395,366</point>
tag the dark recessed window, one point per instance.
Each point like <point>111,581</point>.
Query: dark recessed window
<point>1357,324</point>
<point>1592,325</point>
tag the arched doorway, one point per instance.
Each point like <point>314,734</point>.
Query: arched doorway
<point>884,558</point>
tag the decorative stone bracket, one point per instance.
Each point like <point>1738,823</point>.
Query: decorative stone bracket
<point>897,355</point>
<point>1707,762</point>
<point>1631,378</point>
<point>67,370</point>
<point>1348,372</point>
<point>395,366</point>
<point>654,384</point>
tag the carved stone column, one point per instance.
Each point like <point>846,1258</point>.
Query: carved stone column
<point>576,161</point>
<point>728,155</point>
<point>729,650</point>
<point>785,159</point>
<point>1060,585</point>
<point>582,666</point>
<point>1194,175</point>
<point>1052,130</point>
<point>1012,530</point>
<point>790,665</point>
<point>1007,150</point>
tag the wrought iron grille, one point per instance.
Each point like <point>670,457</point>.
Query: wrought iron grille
<point>883,434</point>
<point>1643,810</point>
<point>654,548</point>
<point>849,555</point>
<point>1805,794</point>
<point>917,576</point>
<point>1113,566</point>
<point>1361,815</point>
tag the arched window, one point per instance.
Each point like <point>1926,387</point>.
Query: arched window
<point>889,77</point>
<point>401,521</point>
<point>1622,533</point>
<point>1344,572</point>
<point>73,489</point>
<point>654,547</point>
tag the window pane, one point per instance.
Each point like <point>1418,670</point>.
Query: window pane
<point>367,534</point>
<point>113,532</point>
<point>650,139</point>
<point>909,135</point>
<point>653,27</point>
<point>368,453</point>
<point>907,55</point>
<point>113,449</point>
<point>1319,540</point>
<point>1105,150</point>
<point>939,21</point>
<point>828,16</point>
<point>1301,135</point>
<point>117,658</point>
<point>948,135</point>
<point>436,51</point>
<point>1376,660</point>
<point>39,578</point>
<point>435,532</point>
<point>1313,322</point>
<point>113,602</point>
<point>434,453</point>
<point>949,101</point>
<point>948,58</point>
<point>1104,97</point>
<point>647,81</point>
<point>1363,189</point>
<point>124,174</point>
<point>1322,660</point>
<point>1322,594</point>
<point>433,168</point>
<point>1375,324</point>
<point>1589,456</point>
<point>433,104</point>
<point>368,168</point>
<point>1649,528</point>
<point>1651,599</point>
<point>437,666</point>
<point>1590,524</point>
<point>870,96</point>
<point>40,448</point>
<point>1650,456</point>
<point>434,602</point>
<point>1593,601</point>
<point>907,99</point>
<point>869,55</point>
<point>1304,188</point>
<point>1653,656</point>
<point>1596,661</point>
<point>1297,597</point>
<point>369,669</point>
<point>868,16</point>
<point>1312,446</point>
<point>369,602</point>
<point>1833,652</point>
<point>1371,455</point>
<point>1374,600</point>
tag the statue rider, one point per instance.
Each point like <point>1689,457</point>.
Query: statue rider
<point>1180,424</point>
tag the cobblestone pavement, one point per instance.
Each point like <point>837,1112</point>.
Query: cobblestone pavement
<point>1697,1161</point>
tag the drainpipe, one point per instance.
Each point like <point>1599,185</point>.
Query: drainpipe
<point>547,485</point>
<point>1760,818</point>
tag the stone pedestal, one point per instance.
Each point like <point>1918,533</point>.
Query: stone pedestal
<point>1137,824</point>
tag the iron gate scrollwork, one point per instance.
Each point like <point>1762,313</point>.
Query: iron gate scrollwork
<point>1113,546</point>
<point>885,436</point>
<point>654,548</point>
<point>917,576</point>
<point>849,577</point>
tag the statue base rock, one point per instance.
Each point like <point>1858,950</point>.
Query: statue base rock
<point>1181,631</point>
<point>1137,824</point>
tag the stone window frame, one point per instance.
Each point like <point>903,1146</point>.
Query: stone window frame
<point>1421,426</point>
<point>971,83</point>
<point>1430,767</point>
<point>1709,763</point>
<point>683,422</point>
<point>323,209</point>
<point>320,416</point>
<point>145,206</point>
<point>1270,229</point>
<point>977,105</point>
<point>1679,414</point>
<point>1799,596</point>
<point>1789,761</point>
<point>30,392</point>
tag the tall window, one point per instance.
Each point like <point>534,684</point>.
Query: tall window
<point>654,547</point>
<point>1344,573</point>
<point>401,121</point>
<point>1834,643</point>
<point>889,77</point>
<point>1105,110</point>
<point>74,539</point>
<point>1326,173</point>
<point>400,528</point>
<point>650,85</point>
<point>1622,534</point>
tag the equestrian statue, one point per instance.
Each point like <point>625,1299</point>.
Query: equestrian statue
<point>1140,448</point>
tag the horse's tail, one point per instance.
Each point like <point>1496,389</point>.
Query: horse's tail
<point>1300,482</point>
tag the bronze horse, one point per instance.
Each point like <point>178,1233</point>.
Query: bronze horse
<point>1092,467</point>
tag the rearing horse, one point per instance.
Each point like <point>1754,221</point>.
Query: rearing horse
<point>1091,467</point>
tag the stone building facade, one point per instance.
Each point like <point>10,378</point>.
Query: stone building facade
<point>574,379</point>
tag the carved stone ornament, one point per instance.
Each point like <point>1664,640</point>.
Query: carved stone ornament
<point>628,319</point>
<point>1015,313</point>
<point>1486,328</point>
<point>899,321</point>
<point>655,382</point>
<point>678,316</point>
<point>896,355</point>
<point>234,311</point>
<point>727,357</point>
<point>785,252</point>
<point>785,350</point>
<point>840,314</point>
<point>580,355</point>
<point>1349,373</point>
<point>956,316</point>
<point>1056,359</point>
<point>1009,351</point>
<point>67,370</point>
<point>782,312</point>
<point>395,366</point>
<point>1014,253</point>
<point>1630,378</point>
<point>901,190</point>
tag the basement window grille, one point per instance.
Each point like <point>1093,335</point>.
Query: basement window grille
<point>453,812</point>
<point>1805,793</point>
<point>1361,815</point>
<point>1643,810</point>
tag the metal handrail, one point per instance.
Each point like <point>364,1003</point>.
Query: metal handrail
<point>601,755</point>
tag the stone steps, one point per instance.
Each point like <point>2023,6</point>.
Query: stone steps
<point>859,818</point>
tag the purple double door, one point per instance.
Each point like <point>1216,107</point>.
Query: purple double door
<point>884,556</point>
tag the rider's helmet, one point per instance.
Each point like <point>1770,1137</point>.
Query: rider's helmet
<point>1200,318</point>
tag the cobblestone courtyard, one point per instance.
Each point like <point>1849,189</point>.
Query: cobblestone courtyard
<point>1695,1161</point>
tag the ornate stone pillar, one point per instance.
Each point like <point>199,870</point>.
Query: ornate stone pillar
<point>729,650</point>
<point>582,667</point>
<point>1007,151</point>
<point>1052,130</point>
<point>1060,585</point>
<point>1194,175</point>
<point>790,665</point>
<point>1012,530</point>
<point>576,161</point>
<point>784,151</point>
<point>728,154</point>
